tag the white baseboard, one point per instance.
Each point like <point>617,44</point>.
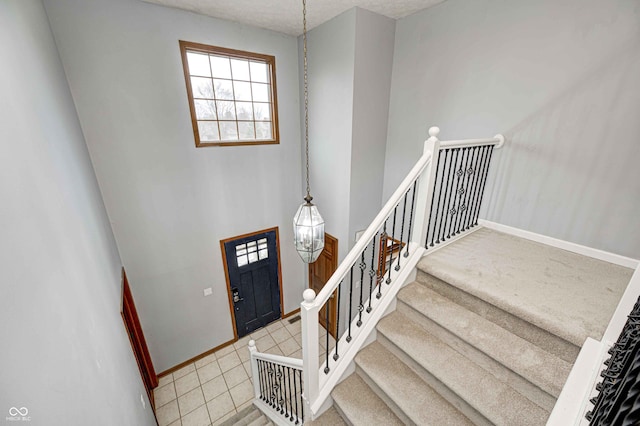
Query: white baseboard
<point>564,245</point>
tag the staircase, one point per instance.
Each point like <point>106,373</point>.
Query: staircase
<point>250,416</point>
<point>487,334</point>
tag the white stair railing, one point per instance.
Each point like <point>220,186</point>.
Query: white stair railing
<point>438,201</point>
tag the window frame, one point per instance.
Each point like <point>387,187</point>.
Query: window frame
<point>187,46</point>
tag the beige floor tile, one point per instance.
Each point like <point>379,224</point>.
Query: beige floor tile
<point>235,376</point>
<point>280,335</point>
<point>243,354</point>
<point>274,351</point>
<point>168,413</point>
<point>176,423</point>
<point>225,351</point>
<point>187,383</point>
<point>289,346</point>
<point>206,360</point>
<point>242,342</point>
<point>190,401</point>
<point>274,326</point>
<point>214,387</point>
<point>209,371</point>
<point>297,354</point>
<point>247,368</point>
<point>298,339</point>
<point>224,418</point>
<point>259,333</point>
<point>183,371</point>
<point>264,343</point>
<point>242,393</point>
<point>164,394</point>
<point>220,405</point>
<point>229,361</point>
<point>165,380</point>
<point>198,417</point>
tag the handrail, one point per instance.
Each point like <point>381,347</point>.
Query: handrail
<point>352,257</point>
<point>497,140</point>
<point>279,359</point>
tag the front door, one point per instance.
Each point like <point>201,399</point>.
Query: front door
<point>319,273</point>
<point>253,276</point>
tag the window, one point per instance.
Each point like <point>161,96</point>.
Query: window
<point>232,95</point>
<point>251,252</point>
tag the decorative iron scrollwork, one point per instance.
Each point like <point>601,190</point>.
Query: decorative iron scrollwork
<point>618,401</point>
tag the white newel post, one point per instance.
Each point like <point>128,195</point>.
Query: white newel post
<point>425,187</point>
<point>254,368</point>
<point>310,350</point>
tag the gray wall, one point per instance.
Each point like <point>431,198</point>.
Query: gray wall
<point>169,203</point>
<point>330,59</point>
<point>371,90</point>
<point>560,79</point>
<point>65,355</point>
<point>349,59</point>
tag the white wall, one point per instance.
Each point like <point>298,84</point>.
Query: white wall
<point>560,79</point>
<point>371,90</point>
<point>169,203</point>
<point>65,354</point>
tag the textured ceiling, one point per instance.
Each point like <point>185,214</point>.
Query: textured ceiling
<point>285,16</point>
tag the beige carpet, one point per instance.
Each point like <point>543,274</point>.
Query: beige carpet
<point>569,295</point>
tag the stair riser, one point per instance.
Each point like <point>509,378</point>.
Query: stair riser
<point>454,399</point>
<point>383,396</point>
<point>522,385</point>
<point>539,337</point>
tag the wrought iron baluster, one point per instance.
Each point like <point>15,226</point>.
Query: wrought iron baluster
<point>472,172</point>
<point>270,383</point>
<point>335,355</point>
<point>326,349</point>
<point>455,208</point>
<point>438,213</point>
<point>451,193</point>
<point>478,183</point>
<point>281,400</point>
<point>287,395</point>
<point>301,392</point>
<point>462,207</point>
<point>393,242</point>
<point>350,302</point>
<point>295,395</point>
<point>413,202</point>
<point>372,271</point>
<point>404,214</point>
<point>431,212</point>
<point>442,230</point>
<point>263,380</point>
<point>360,305</point>
<point>484,183</point>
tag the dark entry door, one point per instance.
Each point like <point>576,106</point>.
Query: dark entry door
<point>252,265</point>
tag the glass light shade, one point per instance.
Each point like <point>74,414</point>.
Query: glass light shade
<point>308,231</point>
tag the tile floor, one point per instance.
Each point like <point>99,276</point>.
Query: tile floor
<point>216,387</point>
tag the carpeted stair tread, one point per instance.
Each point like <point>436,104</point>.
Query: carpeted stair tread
<point>541,368</point>
<point>359,405</point>
<point>249,416</point>
<point>519,276</point>
<point>407,391</point>
<point>493,399</point>
<point>331,417</point>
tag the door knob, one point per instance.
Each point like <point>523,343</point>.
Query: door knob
<point>236,296</point>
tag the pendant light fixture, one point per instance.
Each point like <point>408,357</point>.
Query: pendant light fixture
<point>308,225</point>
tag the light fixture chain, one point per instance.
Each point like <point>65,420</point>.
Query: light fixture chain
<point>306,92</point>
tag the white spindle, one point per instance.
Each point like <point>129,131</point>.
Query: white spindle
<point>310,349</point>
<point>254,368</point>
